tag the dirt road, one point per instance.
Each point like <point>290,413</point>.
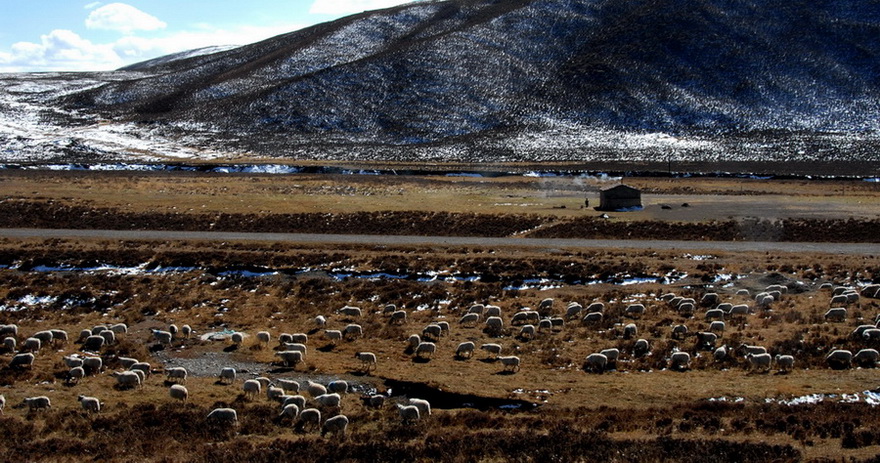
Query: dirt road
<point>391,240</point>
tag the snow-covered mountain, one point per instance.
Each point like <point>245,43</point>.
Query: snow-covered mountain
<point>527,79</point>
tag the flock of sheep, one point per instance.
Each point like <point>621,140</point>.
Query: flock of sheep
<point>526,323</point>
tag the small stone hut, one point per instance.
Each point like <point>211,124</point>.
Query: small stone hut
<point>619,197</point>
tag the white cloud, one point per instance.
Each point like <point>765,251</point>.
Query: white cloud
<point>63,50</point>
<point>123,18</point>
<point>92,5</point>
<point>59,50</point>
<point>341,7</point>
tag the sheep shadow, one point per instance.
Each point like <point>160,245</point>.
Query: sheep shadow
<point>459,358</point>
<point>232,348</point>
<point>487,360</point>
<point>505,373</point>
<point>156,347</point>
<point>358,372</point>
<point>313,331</point>
<point>421,360</point>
<point>326,348</point>
<point>281,369</point>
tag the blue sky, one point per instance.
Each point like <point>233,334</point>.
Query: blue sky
<point>87,35</point>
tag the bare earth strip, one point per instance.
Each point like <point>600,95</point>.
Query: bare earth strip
<point>389,240</point>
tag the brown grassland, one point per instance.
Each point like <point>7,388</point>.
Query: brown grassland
<point>640,411</point>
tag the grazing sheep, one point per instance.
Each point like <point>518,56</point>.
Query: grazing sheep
<point>444,327</point>
<point>611,354</point>
<point>45,337</point>
<point>22,360</point>
<point>352,331</point>
<point>511,363</point>
<point>297,346</point>
<point>338,386</point>
<point>837,314</point>
<point>759,361</point>
<point>315,389</point>
<point>592,317</point>
<point>288,385</point>
<point>557,323</point>
<point>251,388</point>
<point>720,353</point>
<point>297,400</point>
<point>465,350</point>
<point>178,392</point>
<point>739,310</point>
<point>32,345</point>
<point>290,357</point>
<point>776,295</point>
<point>706,340</point>
<point>284,338</point>
<point>686,309</point>
<point>527,332</point>
<point>714,314</point>
<point>90,404</point>
<point>9,330</point>
<point>291,411</point>
<point>492,311</point>
<point>141,375</point>
<point>423,405</point>
<point>867,358</point>
<point>743,293</point>
<point>492,350</point>
<point>376,401</point>
<point>871,335</point>
<point>724,307</point>
<point>320,321</point>
<point>858,332</point>
<point>9,344</point>
<point>37,403</point>
<point>127,379</point>
<point>717,326</point>
<point>329,400</point>
<point>477,309</point>
<point>839,359</point>
<point>142,366</point>
<point>525,316</point>
<point>350,311</point>
<point>679,361</point>
<point>494,325</point>
<point>413,341</point>
<point>469,319</point>
<point>335,425</point>
<point>237,338</point>
<point>679,331</point>
<point>109,337</point>
<point>164,337</point>
<point>368,360</point>
<point>840,299</point>
<point>389,309</point>
<point>709,299</point>
<point>120,328</point>
<point>93,365</point>
<point>546,305</point>
<point>2,403</point>
<point>300,338</point>
<point>432,331</point>
<point>75,374</point>
<point>83,334</point>
<point>127,362</point>
<point>274,393</point>
<point>784,363</point>
<point>425,349</point>
<point>333,336</point>
<point>227,374</point>
<point>263,338</point>
<point>641,347</point>
<point>311,417</point>
<point>595,307</point>
<point>224,415</point>
<point>635,309</point>
<point>96,330</point>
<point>573,310</point>
<point>630,331</point>
<point>398,317</point>
<point>72,361</point>
<point>59,336</point>
<point>94,343</point>
<point>746,349</point>
<point>176,373</point>
<point>595,363</point>
<point>172,328</point>
<point>408,413</point>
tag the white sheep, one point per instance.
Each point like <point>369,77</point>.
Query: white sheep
<point>225,415</point>
<point>425,349</point>
<point>119,328</point>
<point>352,331</point>
<point>93,343</point>
<point>288,385</point>
<point>573,310</point>
<point>320,321</point>
<point>72,361</point>
<point>376,401</point>
<point>469,319</point>
<point>237,338</point>
<point>423,405</point>
<point>2,403</point>
<point>59,336</point>
<point>127,362</point>
<point>759,361</point>
<point>492,311</point>
<point>290,357</point>
<point>163,337</point>
<point>715,314</point>
<point>274,393</point>
<point>9,343</point>
<point>45,336</point>
<point>22,360</point>
<point>611,354</point>
<point>335,425</point>
<point>720,353</point>
<point>90,404</point>
<point>511,363</point>
<point>837,314</point>
<point>142,366</point>
<point>641,347</point>
<point>679,361</point>
<point>739,310</point>
<point>867,357</point>
<point>784,363</point>
<point>109,337</point>
<point>398,317</point>
<point>839,358</point>
<point>413,341</point>
<point>630,331</point>
<point>93,365</point>
<point>127,379</point>
<point>329,400</point>
<point>297,346</point>
<point>314,389</point>
<point>176,373</point>
<point>178,392</point>
<point>465,350</point>
<point>297,400</point>
<point>263,338</point>
<point>526,315</point>
<point>432,331</point>
<point>350,311</point>
<point>746,349</point>
<point>338,386</point>
<point>592,317</point>
<point>251,388</point>
<point>527,332</point>
<point>494,325</point>
<point>300,338</point>
<point>679,331</point>
<point>635,309</point>
<point>408,413</point>
<point>290,411</point>
<point>38,403</point>
<point>595,363</point>
<point>717,326</point>
<point>333,336</point>
<point>368,360</point>
<point>9,329</point>
<point>492,350</point>
<point>141,375</point>
<point>227,374</point>
<point>75,374</point>
<point>311,417</point>
<point>32,345</point>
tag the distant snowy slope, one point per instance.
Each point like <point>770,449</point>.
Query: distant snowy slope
<point>168,59</point>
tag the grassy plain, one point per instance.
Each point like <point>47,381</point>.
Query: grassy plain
<point>642,411</point>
